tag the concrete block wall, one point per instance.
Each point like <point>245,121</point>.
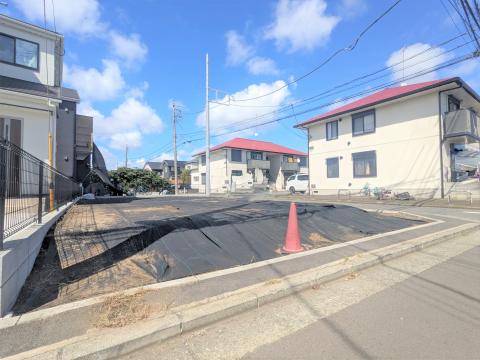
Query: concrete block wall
<point>18,257</point>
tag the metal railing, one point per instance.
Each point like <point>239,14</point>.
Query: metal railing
<point>29,188</point>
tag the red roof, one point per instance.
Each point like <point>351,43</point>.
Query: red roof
<point>380,96</point>
<point>256,145</point>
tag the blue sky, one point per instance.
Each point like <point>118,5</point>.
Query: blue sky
<point>130,58</point>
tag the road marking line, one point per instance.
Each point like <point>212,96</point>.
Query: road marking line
<point>457,218</point>
<point>472,212</point>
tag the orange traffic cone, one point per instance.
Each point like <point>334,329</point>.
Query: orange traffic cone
<point>292,236</point>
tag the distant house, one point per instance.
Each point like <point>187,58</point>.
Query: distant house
<point>244,163</point>
<point>155,166</point>
<point>419,138</point>
<point>166,168</point>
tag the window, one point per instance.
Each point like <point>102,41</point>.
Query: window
<point>204,178</point>
<point>204,159</point>
<point>332,168</point>
<point>302,177</point>
<point>363,123</point>
<point>332,130</point>
<point>256,155</point>
<point>18,52</point>
<point>453,103</point>
<point>7,49</point>
<point>364,164</point>
<point>237,173</point>
<point>291,178</point>
<point>236,155</point>
<point>288,159</point>
<point>303,161</point>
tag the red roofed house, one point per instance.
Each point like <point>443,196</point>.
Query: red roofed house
<point>246,164</point>
<point>411,138</point>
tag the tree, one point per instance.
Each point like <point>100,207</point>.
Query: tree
<point>185,176</point>
<point>138,179</point>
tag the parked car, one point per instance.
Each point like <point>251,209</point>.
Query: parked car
<point>297,182</point>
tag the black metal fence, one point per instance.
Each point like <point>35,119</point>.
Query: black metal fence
<point>29,188</point>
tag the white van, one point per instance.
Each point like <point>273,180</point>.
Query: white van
<point>297,182</point>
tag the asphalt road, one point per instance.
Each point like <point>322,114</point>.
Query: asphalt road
<point>425,305</point>
<point>432,315</point>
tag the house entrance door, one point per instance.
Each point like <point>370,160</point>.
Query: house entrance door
<point>11,130</point>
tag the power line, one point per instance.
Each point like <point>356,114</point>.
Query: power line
<point>420,73</point>
<point>444,65</point>
<point>342,87</point>
<point>350,47</point>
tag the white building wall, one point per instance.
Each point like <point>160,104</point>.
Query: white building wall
<point>221,167</point>
<point>406,142</point>
<point>35,123</point>
<point>47,55</point>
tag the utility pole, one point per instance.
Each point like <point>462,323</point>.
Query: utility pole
<point>126,155</point>
<point>207,133</point>
<point>174,135</point>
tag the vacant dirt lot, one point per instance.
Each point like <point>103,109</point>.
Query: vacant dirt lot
<point>104,246</point>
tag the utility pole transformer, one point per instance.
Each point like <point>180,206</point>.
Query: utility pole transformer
<point>174,135</point>
<point>207,133</point>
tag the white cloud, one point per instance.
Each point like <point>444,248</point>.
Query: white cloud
<point>238,51</point>
<point>226,117</point>
<point>262,66</point>
<point>131,115</point>
<point>126,124</point>
<point>95,85</point>
<point>120,140</point>
<point>80,16</point>
<point>421,62</point>
<point>138,92</point>
<point>351,8</point>
<point>129,48</point>
<point>182,154</point>
<point>138,163</point>
<point>301,25</point>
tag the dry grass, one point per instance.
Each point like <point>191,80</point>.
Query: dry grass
<point>153,209</point>
<point>122,310</point>
<point>272,281</point>
<point>319,240</point>
<point>352,276</point>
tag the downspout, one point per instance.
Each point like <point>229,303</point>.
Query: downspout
<point>440,134</point>
<point>308,160</point>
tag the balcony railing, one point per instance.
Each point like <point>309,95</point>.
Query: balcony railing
<point>258,164</point>
<point>463,122</point>
<point>290,166</point>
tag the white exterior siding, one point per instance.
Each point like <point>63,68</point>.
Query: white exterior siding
<point>221,167</point>
<point>35,123</point>
<point>406,142</point>
<point>46,42</point>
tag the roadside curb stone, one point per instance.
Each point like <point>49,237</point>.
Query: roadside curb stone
<point>106,344</point>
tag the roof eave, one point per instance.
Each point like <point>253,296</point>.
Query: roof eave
<point>231,147</point>
<point>457,80</point>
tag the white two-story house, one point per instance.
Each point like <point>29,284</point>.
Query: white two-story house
<point>30,85</point>
<point>34,107</point>
<point>245,164</point>
<point>411,138</point>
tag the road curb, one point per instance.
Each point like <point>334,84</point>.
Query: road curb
<point>107,344</point>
